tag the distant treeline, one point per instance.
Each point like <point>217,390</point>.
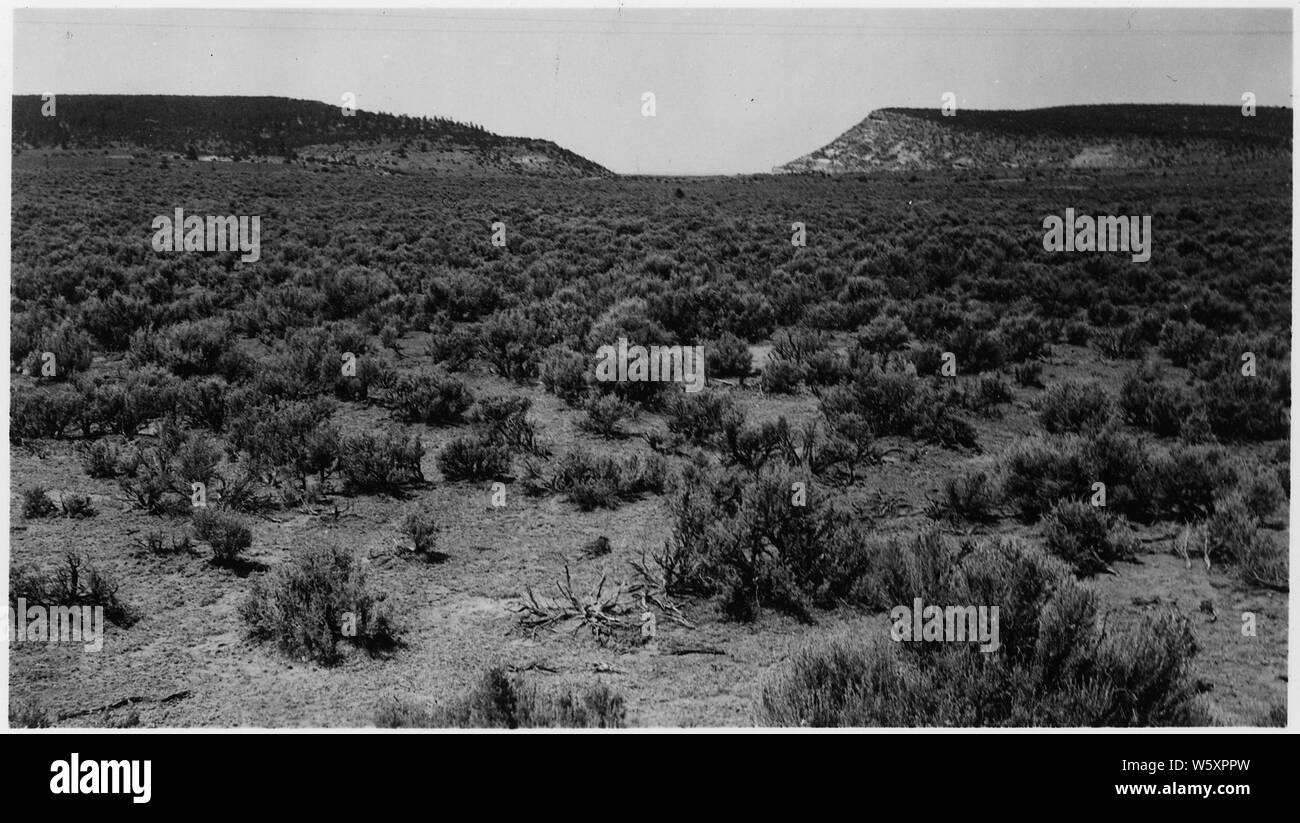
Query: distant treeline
<point>1269,125</point>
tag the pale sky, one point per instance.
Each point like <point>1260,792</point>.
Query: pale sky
<point>736,91</point>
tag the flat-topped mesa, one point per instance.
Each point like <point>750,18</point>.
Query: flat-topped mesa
<point>1106,136</point>
<point>280,129</point>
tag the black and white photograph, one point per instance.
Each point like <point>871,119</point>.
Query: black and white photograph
<point>629,367</point>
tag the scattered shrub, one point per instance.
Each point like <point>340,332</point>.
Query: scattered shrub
<point>605,414</point>
<point>383,462</point>
<point>37,503</point>
<point>433,398</point>
<point>421,526</point>
<point>729,356</point>
<point>228,535</point>
<point>473,457</point>
<point>564,373</point>
<point>781,377</point>
<point>504,701</point>
<point>1087,537</point>
<point>314,602</point>
<point>1074,406</point>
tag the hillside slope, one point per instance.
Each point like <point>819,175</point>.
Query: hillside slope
<point>1113,136</point>
<point>282,128</point>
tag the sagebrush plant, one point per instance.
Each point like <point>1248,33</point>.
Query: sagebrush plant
<point>37,503</point>
<point>227,533</point>
<point>473,457</point>
<point>316,601</point>
<point>1074,406</point>
<point>594,481</point>
<point>973,496</point>
<point>77,506</point>
<point>782,377</point>
<point>747,540</point>
<point>702,417</point>
<point>76,582</point>
<point>500,700</point>
<point>431,397</point>
<point>1087,537</point>
<point>381,462</point>
<point>605,414</point>
<point>564,373</point>
<point>100,458</point>
<point>729,356</point>
<point>421,526</point>
<point>1057,665</point>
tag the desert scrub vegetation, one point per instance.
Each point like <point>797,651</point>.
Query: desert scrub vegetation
<point>899,403</point>
<point>1057,665</point>
<point>973,496</point>
<point>37,503</point>
<point>564,373</point>
<point>430,397</point>
<point>473,457</point>
<point>760,542</point>
<point>605,414</point>
<point>591,481</point>
<point>76,582</point>
<point>1074,406</point>
<point>501,700</point>
<point>701,417</point>
<point>384,462</point>
<point>1145,484</point>
<point>316,601</point>
<point>1232,536</point>
<point>421,526</point>
<point>1088,537</point>
<point>227,534</point>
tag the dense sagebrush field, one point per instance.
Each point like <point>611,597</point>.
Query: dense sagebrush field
<point>357,564</point>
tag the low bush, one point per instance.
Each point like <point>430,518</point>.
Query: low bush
<point>37,503</point>
<point>383,462</point>
<point>898,403</point>
<point>316,601</point>
<point>752,543</point>
<point>77,506</point>
<point>782,377</point>
<point>1119,343</point>
<point>702,417</point>
<point>422,527</point>
<point>227,534</point>
<point>474,457</point>
<point>44,412</point>
<point>1074,407</point>
<point>432,398</point>
<point>605,414</point>
<point>1055,666</point>
<point>564,374</point>
<point>75,583</point>
<point>504,701</point>
<point>1087,537</point>
<point>1150,404</point>
<point>971,496</point>
<point>596,481</point>
<point>728,356</point>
